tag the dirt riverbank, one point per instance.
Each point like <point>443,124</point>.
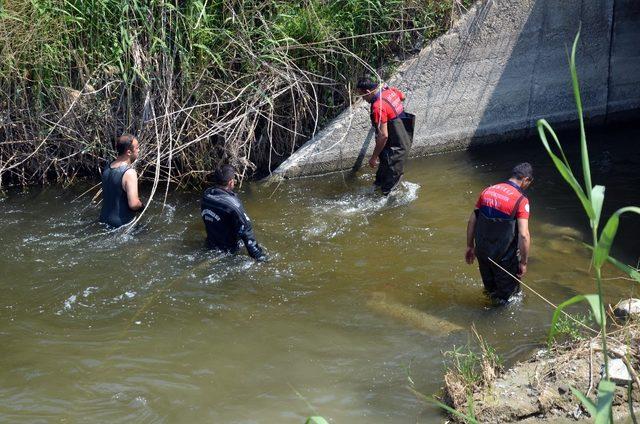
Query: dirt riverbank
<point>539,390</point>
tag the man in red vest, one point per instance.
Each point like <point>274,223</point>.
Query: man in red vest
<point>498,229</point>
<point>392,140</point>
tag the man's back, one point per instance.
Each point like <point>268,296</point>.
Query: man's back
<point>386,106</point>
<point>499,201</point>
<point>115,208</point>
<point>221,211</point>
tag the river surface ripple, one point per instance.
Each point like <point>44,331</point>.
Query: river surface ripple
<point>362,293</point>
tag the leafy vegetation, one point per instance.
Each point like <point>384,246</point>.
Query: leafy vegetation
<point>572,329</point>
<point>201,81</point>
<point>592,199</point>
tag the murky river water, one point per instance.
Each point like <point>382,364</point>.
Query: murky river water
<point>151,327</point>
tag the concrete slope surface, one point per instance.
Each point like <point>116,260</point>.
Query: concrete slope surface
<point>503,66</point>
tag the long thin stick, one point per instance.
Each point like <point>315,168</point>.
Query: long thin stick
<point>543,298</point>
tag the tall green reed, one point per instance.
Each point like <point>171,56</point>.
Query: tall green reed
<point>592,198</point>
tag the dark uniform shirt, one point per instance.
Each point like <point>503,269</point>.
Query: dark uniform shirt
<point>227,223</point>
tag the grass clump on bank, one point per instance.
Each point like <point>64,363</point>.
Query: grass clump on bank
<point>468,371</point>
<point>201,81</point>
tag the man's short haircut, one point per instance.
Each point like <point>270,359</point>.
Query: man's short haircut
<point>124,143</point>
<point>224,174</point>
<point>522,170</point>
<point>367,84</point>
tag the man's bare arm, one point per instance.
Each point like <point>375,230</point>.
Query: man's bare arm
<point>130,186</point>
<point>524,242</point>
<point>381,141</point>
<point>471,234</point>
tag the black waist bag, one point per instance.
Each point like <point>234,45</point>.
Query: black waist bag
<point>496,237</point>
<point>400,131</point>
<point>409,122</point>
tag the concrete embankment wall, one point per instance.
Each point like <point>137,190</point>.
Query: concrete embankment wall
<point>490,78</point>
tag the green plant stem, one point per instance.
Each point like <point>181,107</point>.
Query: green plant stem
<point>604,332</point>
<point>603,327</point>
<point>630,399</point>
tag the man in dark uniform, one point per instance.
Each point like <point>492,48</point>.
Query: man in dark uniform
<point>225,218</point>
<point>498,228</point>
<point>393,140</point>
<point>120,200</point>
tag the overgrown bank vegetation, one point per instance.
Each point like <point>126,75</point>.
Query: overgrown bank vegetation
<point>200,81</point>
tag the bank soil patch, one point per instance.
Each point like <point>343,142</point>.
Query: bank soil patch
<point>539,390</point>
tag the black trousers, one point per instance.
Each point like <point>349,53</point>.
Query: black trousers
<point>498,284</point>
<point>390,169</point>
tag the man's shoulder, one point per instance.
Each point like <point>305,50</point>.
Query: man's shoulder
<point>130,171</point>
<point>506,188</point>
<point>129,175</point>
<point>219,195</point>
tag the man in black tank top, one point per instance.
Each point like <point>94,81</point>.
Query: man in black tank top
<point>120,200</point>
<point>225,218</point>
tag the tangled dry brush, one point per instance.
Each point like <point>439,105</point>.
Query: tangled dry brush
<point>199,81</point>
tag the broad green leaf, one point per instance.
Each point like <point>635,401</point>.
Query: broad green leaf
<point>466,418</point>
<point>592,299</point>
<point>629,270</point>
<point>602,408</point>
<point>608,234</point>
<point>316,420</point>
<point>588,404</point>
<point>563,168</point>
<point>586,170</point>
<point>606,390</point>
<point>597,199</point>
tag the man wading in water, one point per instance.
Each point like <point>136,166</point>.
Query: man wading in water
<point>225,219</point>
<point>120,200</point>
<point>392,139</point>
<point>498,229</point>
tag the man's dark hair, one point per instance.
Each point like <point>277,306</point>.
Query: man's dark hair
<point>367,84</point>
<point>224,174</point>
<point>124,143</point>
<point>522,170</point>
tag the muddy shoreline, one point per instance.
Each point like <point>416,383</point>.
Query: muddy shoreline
<point>540,389</point>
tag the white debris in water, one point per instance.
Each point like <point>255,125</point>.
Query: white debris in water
<point>138,402</point>
<point>88,291</point>
<point>68,304</point>
<point>169,212</point>
<point>127,294</point>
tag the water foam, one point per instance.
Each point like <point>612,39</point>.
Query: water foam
<point>367,201</point>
